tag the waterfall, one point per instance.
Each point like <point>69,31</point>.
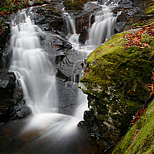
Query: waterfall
<point>37,78</point>
<point>47,130</point>
<point>70,23</point>
<point>101,30</point>
<point>32,67</point>
<point>103,27</point>
<point>72,36</point>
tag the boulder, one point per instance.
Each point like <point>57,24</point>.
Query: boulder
<point>49,18</point>
<point>115,79</point>
<point>12,104</point>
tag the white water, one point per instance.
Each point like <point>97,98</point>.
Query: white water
<point>103,27</point>
<point>36,76</point>
<point>32,67</point>
<point>73,38</point>
<point>101,30</point>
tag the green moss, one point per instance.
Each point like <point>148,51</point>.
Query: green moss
<point>150,41</point>
<point>115,65</point>
<point>122,74</point>
<point>146,22</point>
<point>149,10</point>
<point>114,44</point>
<point>74,4</point>
<point>144,140</point>
<point>144,38</point>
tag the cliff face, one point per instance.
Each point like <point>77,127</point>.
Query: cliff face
<point>116,78</point>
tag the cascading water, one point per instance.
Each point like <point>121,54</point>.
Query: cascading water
<point>101,30</point>
<point>32,67</point>
<point>103,27</point>
<point>72,36</point>
<point>37,78</point>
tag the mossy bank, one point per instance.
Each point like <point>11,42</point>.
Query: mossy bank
<point>115,79</point>
<point>143,141</point>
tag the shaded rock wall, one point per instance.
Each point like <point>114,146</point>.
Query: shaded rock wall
<point>5,30</point>
<point>12,104</point>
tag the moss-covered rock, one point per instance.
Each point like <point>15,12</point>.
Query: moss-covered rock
<point>115,77</point>
<point>142,16</point>
<point>74,4</point>
<point>143,141</point>
<point>149,10</point>
<point>143,23</point>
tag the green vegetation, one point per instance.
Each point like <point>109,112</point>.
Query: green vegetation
<point>111,46</point>
<point>146,22</point>
<point>121,75</point>
<point>149,10</point>
<point>144,140</point>
<point>74,4</point>
<point>2,23</point>
<point>8,6</point>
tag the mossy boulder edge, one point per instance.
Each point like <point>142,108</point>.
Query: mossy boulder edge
<point>115,79</point>
<point>141,142</point>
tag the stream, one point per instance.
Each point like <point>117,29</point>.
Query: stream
<point>57,104</point>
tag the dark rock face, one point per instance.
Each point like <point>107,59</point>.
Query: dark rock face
<point>7,86</point>
<point>49,18</point>
<point>104,133</point>
<point>3,38</point>
<point>56,47</point>
<point>12,105</point>
<point>131,14</point>
<point>82,28</point>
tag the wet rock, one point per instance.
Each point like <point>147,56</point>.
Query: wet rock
<point>83,36</point>
<point>5,30</point>
<point>51,15</point>
<point>71,65</point>
<point>60,75</point>
<point>41,20</point>
<point>124,17</point>
<point>98,131</point>
<point>7,84</point>
<point>89,121</point>
<point>67,96</point>
<point>82,26</point>
<point>56,47</point>
<point>12,105</point>
<point>131,15</point>
<point>126,3</point>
